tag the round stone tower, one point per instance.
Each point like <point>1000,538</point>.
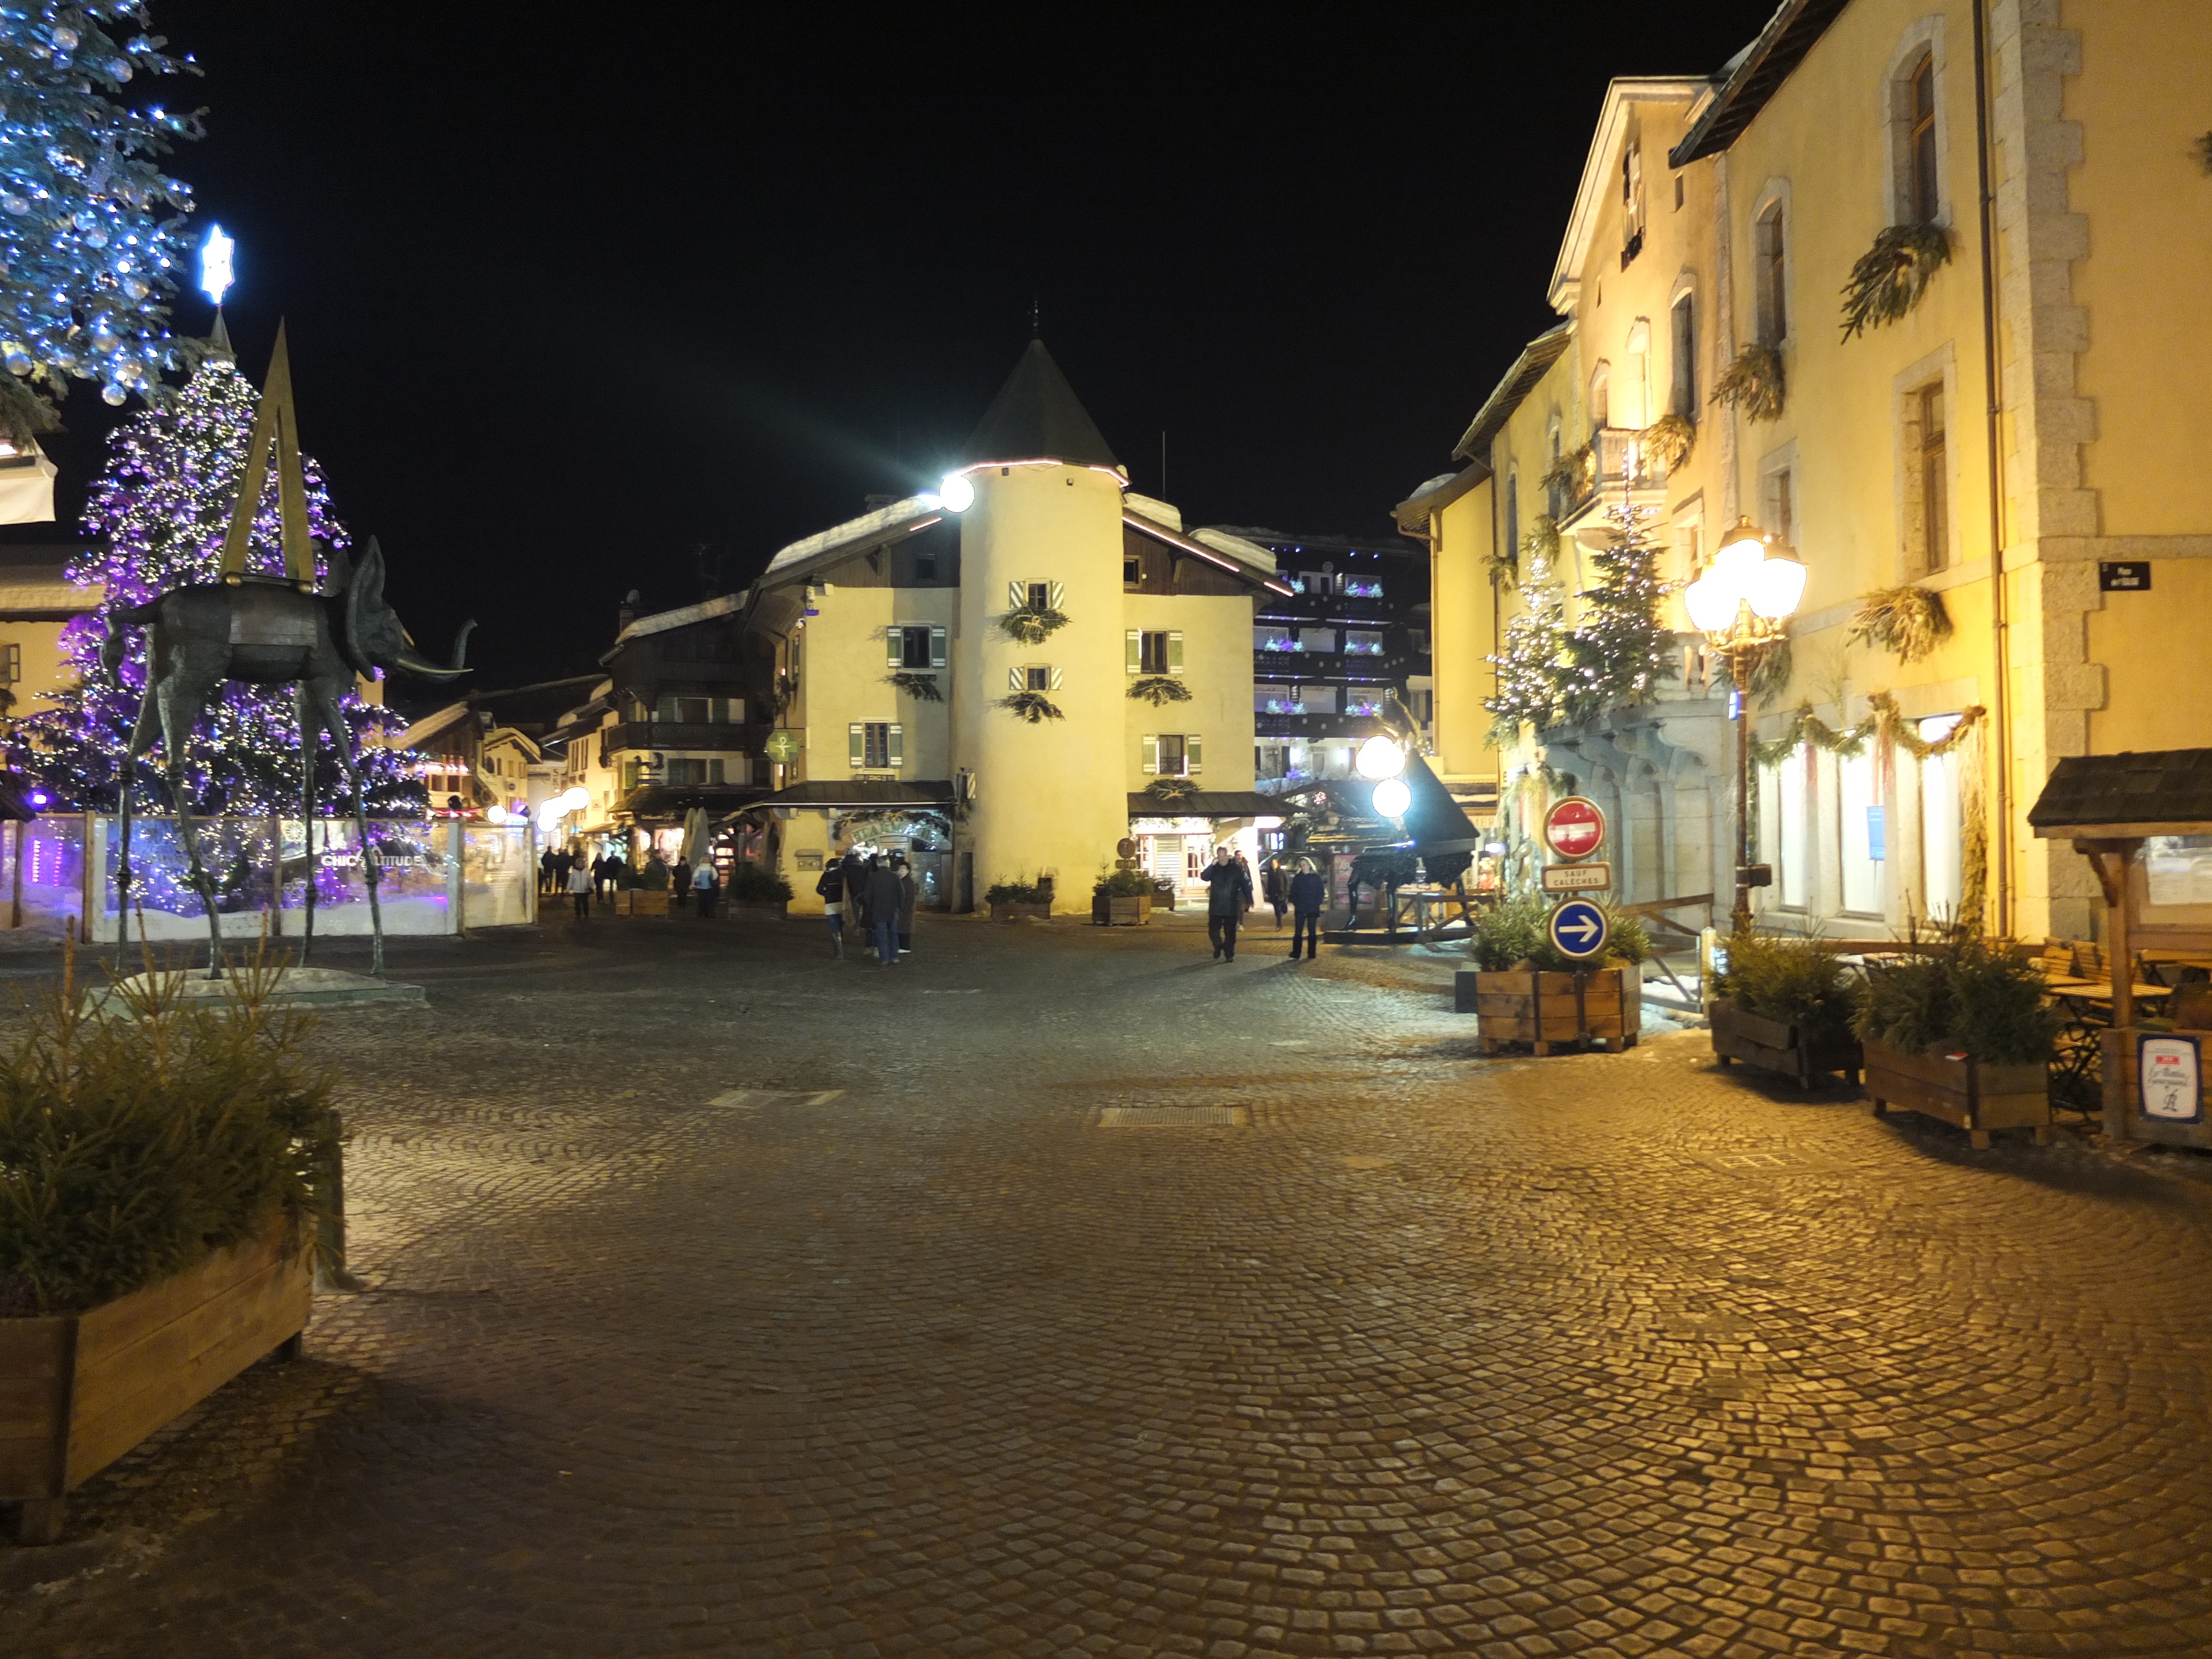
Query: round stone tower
<point>1050,796</point>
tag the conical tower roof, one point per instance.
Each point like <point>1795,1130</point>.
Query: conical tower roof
<point>1037,416</point>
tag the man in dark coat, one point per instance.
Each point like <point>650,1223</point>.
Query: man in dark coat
<point>1228,897</point>
<point>883,898</point>
<point>1309,890</point>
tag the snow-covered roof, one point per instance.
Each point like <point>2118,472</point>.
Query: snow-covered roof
<point>858,535</point>
<point>661,621</point>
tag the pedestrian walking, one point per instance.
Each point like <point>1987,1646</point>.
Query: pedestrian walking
<point>704,887</point>
<point>563,862</point>
<point>907,893</point>
<point>1229,894</point>
<point>831,887</point>
<point>1308,891</point>
<point>605,869</point>
<point>883,899</point>
<point>856,882</point>
<point>1278,890</point>
<point>579,887</point>
<point>545,882</point>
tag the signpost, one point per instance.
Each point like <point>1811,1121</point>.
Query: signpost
<point>1577,878</point>
<point>1579,928</point>
<point>782,745</point>
<point>1574,828</point>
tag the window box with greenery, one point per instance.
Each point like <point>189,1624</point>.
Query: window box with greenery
<point>1126,896</point>
<point>163,1174</point>
<point>1753,383</point>
<point>1959,1031</point>
<point>1784,1005</point>
<point>1890,276</point>
<point>1033,614</point>
<point>752,888</point>
<point>1012,900</point>
<point>1523,988</point>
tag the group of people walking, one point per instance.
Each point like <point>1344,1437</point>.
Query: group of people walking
<point>873,897</point>
<point>562,871</point>
<point>1229,895</point>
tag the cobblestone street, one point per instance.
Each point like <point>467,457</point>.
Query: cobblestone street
<point>726,1298</point>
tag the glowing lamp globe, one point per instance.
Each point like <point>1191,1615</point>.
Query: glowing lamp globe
<point>1741,550</point>
<point>218,268</point>
<point>1379,757</point>
<point>1711,601</point>
<point>1774,588</point>
<point>494,813</point>
<point>1392,798</point>
<point>956,494</point>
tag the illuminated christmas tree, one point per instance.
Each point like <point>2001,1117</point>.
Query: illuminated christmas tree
<point>90,228</point>
<point>1620,649</point>
<point>160,506</point>
<point>1530,665</point>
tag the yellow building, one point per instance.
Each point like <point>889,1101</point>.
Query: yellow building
<point>2029,396</point>
<point>1017,657</point>
<point>37,599</point>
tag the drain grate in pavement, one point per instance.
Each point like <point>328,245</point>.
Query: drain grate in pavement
<point>1174,1118</point>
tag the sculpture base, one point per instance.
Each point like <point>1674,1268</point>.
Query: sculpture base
<point>298,987</point>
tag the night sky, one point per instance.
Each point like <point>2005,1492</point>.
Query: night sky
<point>573,291</point>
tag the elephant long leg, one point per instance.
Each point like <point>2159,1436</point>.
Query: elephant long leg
<point>181,707</point>
<point>310,717</point>
<point>327,699</point>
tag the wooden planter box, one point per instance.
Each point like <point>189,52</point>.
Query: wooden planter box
<point>79,1390</point>
<point>1133,912</point>
<point>642,901</point>
<point>1961,1091</point>
<point>1604,1006</point>
<point>1008,912</point>
<point>1773,1045</point>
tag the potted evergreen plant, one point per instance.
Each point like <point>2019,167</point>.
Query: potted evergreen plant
<point>1523,988</point>
<point>1011,899</point>
<point>1959,1031</point>
<point>163,1169</point>
<point>1127,896</point>
<point>752,888</point>
<point>1784,1005</point>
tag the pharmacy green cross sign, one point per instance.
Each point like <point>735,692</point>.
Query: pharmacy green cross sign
<point>782,745</point>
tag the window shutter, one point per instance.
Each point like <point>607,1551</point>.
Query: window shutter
<point>714,771</point>
<point>1134,657</point>
<point>937,647</point>
<point>895,639</point>
<point>1017,594</point>
<point>1151,753</point>
<point>1175,651</point>
<point>895,750</point>
<point>1057,679</point>
<point>1058,590</point>
<point>859,742</point>
<point>1017,679</point>
<point>1190,748</point>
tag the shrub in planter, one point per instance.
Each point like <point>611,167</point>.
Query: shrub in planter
<point>1009,899</point>
<point>1959,1031</point>
<point>751,884</point>
<point>1785,1004</point>
<point>1516,934</point>
<point>1526,989</point>
<point>1122,895</point>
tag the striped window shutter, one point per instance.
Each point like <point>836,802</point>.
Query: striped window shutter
<point>895,749</point>
<point>1175,651</point>
<point>1059,679</point>
<point>859,742</point>
<point>937,647</point>
<point>895,640</point>
<point>1151,753</point>
<point>1134,658</point>
<point>1058,590</point>
<point>1017,679</point>
<point>1017,594</point>
<point>1190,747</point>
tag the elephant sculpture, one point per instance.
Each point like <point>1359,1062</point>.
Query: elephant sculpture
<point>263,631</point>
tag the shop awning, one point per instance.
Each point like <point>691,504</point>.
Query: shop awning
<point>862,791</point>
<point>1208,803</point>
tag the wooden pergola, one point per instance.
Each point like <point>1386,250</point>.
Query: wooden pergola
<point>2108,805</point>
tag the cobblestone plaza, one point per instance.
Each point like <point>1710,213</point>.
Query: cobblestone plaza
<point>725,1298</point>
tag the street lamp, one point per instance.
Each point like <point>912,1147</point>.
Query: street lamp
<point>1743,605</point>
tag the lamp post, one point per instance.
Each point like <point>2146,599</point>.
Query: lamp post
<point>1743,605</point>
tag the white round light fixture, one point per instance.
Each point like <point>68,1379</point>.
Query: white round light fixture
<point>1392,798</point>
<point>494,813</point>
<point>1379,757</point>
<point>956,494</point>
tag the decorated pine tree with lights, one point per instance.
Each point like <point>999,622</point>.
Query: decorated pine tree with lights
<point>160,507</point>
<point>1620,649</point>
<point>1530,665</point>
<point>90,228</point>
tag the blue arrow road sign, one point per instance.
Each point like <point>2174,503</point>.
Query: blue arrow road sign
<point>1578,927</point>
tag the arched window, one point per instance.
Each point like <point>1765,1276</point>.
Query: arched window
<point>1912,108</point>
<point>1920,141</point>
<point>1682,400</point>
<point>1600,396</point>
<point>1512,548</point>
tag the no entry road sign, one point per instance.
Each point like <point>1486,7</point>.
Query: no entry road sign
<point>1574,828</point>
<point>1578,927</point>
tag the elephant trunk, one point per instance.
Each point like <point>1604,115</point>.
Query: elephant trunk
<point>409,661</point>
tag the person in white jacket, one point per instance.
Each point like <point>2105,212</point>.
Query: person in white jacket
<point>580,889</point>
